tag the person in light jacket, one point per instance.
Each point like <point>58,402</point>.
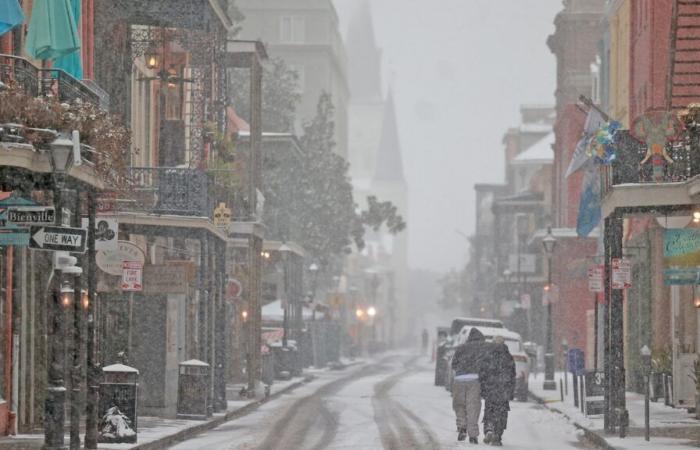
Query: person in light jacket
<point>466,393</point>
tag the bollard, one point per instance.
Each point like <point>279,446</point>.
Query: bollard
<point>575,389</point>
<point>561,390</point>
<point>581,396</point>
<point>646,409</point>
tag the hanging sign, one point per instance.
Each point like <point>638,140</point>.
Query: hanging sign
<point>110,261</point>
<point>106,232</point>
<point>132,276</point>
<point>621,273</point>
<point>596,279</point>
<point>165,279</point>
<point>222,216</point>
<point>682,256</point>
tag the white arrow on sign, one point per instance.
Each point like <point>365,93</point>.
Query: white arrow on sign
<point>56,238</point>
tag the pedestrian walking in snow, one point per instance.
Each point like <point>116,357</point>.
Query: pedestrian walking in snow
<point>497,379</point>
<point>466,396</point>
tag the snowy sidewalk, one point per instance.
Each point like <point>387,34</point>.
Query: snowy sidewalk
<point>671,428</point>
<point>156,432</point>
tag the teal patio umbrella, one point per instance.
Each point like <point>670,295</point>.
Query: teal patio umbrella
<point>52,30</point>
<point>72,62</point>
<point>11,15</point>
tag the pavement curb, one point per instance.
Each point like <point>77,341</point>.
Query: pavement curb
<point>591,436</point>
<point>190,432</point>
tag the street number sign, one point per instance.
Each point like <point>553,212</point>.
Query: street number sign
<point>34,215</point>
<point>58,239</point>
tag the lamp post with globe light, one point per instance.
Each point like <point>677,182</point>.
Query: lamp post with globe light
<point>549,243</point>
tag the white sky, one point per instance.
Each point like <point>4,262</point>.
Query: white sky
<point>460,69</point>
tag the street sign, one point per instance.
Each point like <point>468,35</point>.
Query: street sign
<point>596,279</point>
<point>106,232</point>
<point>33,215</point>
<point>19,237</point>
<point>110,261</point>
<point>132,276</point>
<point>528,263</point>
<point>595,392</point>
<point>621,273</point>
<point>58,239</point>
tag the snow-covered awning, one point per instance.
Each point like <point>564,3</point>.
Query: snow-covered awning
<point>273,312</point>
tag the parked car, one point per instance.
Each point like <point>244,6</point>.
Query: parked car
<point>460,322</point>
<point>515,346</point>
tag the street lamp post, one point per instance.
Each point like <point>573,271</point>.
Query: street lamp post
<point>313,268</point>
<point>284,251</point>
<point>646,363</point>
<point>54,404</point>
<point>549,243</point>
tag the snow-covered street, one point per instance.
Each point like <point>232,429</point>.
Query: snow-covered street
<point>390,404</point>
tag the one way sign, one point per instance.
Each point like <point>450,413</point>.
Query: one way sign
<point>58,239</point>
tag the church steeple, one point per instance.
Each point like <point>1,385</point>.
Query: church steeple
<point>364,58</point>
<point>389,166</point>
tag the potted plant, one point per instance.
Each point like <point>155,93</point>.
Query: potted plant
<point>696,379</point>
<point>660,369</point>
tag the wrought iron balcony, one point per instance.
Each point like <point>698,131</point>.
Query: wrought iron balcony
<point>171,191</point>
<point>49,82</point>
<point>628,168</point>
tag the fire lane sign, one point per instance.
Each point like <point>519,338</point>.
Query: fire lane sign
<point>58,239</point>
<point>34,215</point>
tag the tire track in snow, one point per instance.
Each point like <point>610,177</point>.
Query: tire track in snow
<point>394,420</point>
<point>292,429</point>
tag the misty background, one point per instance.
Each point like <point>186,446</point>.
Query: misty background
<point>454,101</point>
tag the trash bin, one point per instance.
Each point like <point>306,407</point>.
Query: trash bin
<point>193,390</point>
<point>286,364</point>
<point>117,407</point>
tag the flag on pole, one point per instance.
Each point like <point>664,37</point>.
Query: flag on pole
<point>594,121</point>
<point>589,211</point>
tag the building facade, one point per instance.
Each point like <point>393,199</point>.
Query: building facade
<point>306,36</point>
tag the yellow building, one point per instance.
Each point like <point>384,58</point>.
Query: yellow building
<point>619,20</point>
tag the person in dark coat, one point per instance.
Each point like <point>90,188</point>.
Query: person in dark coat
<point>497,377</point>
<point>466,397</point>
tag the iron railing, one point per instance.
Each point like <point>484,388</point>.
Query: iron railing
<point>167,190</point>
<point>628,168</point>
<point>48,82</point>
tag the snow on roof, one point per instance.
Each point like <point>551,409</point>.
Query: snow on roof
<point>540,153</point>
<point>194,362</point>
<point>535,128</point>
<point>273,312</point>
<point>120,368</point>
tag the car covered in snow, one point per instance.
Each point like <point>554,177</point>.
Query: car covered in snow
<point>514,343</point>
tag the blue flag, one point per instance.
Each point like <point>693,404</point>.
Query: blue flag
<point>589,212</point>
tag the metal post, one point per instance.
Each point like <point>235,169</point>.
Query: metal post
<point>646,406</point>
<point>91,350</point>
<point>617,362</point>
<point>77,367</point>
<point>549,383</point>
<point>595,331</point>
<point>575,389</point>
<point>608,421</point>
<point>566,369</point>
<point>54,404</point>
